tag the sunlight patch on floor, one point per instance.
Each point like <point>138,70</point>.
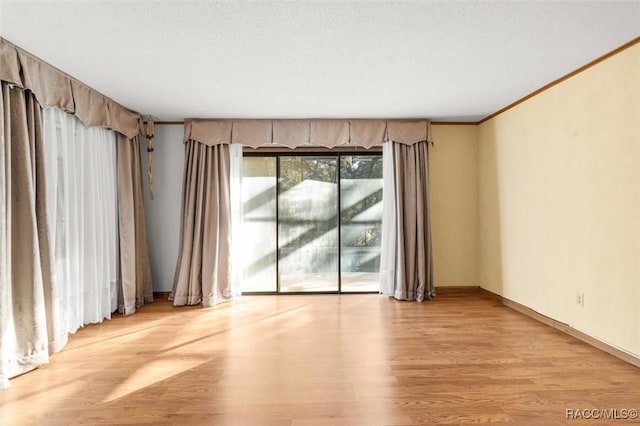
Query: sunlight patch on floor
<point>154,372</point>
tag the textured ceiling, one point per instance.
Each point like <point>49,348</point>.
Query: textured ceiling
<point>444,60</point>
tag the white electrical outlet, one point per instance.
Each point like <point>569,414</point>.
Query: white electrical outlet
<point>580,299</point>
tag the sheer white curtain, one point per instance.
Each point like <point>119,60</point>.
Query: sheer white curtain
<point>235,192</point>
<point>81,184</point>
<point>389,226</point>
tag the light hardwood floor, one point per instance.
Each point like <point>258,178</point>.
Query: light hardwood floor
<point>322,360</point>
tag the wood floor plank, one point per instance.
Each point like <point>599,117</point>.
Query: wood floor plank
<point>321,360</point>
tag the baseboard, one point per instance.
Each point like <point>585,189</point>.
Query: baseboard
<point>452,289</point>
<point>565,328</point>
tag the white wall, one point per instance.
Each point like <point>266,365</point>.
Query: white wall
<point>163,212</point>
<point>559,182</point>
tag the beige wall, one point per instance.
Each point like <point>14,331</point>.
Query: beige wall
<point>559,201</point>
<point>453,178</point>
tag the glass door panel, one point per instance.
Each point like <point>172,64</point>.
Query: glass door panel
<point>360,222</point>
<point>308,224</point>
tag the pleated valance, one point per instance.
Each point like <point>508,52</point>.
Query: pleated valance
<point>295,133</point>
<point>53,88</point>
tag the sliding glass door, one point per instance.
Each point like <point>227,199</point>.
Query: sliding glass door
<point>311,223</point>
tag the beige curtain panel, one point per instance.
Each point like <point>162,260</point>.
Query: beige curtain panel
<point>297,133</point>
<point>203,271</point>
<point>53,88</point>
<point>135,271</point>
<point>25,265</point>
<point>414,257</point>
